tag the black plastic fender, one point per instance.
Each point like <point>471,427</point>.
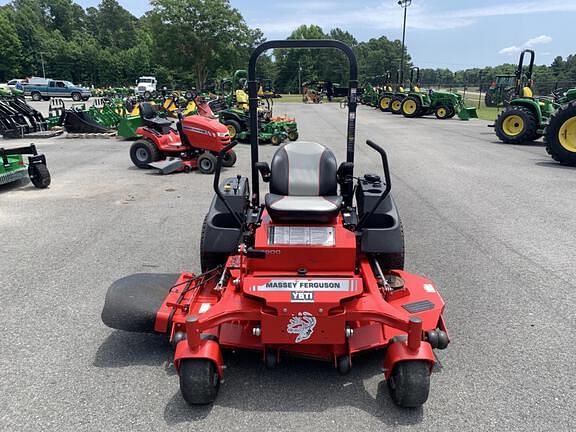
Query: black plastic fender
<point>132,302</point>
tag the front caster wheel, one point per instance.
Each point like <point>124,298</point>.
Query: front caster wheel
<point>229,159</point>
<point>199,381</point>
<point>409,383</point>
<point>271,359</point>
<point>343,364</point>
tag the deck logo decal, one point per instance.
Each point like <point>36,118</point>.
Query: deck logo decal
<point>301,325</point>
<point>302,296</point>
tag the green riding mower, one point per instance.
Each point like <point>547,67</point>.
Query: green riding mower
<point>526,116</point>
<point>238,123</point>
<point>13,167</point>
<point>444,105</point>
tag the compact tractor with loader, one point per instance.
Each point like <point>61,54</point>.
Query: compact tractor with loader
<point>315,270</point>
<point>526,116</point>
<point>444,105</point>
<point>194,144</point>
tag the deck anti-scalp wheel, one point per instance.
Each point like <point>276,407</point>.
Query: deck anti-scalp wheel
<point>343,364</point>
<point>409,383</point>
<point>199,381</point>
<point>39,175</point>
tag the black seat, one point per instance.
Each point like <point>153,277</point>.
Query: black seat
<point>303,185</point>
<point>150,118</point>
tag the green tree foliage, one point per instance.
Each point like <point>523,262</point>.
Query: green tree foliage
<point>200,36</point>
<point>9,48</point>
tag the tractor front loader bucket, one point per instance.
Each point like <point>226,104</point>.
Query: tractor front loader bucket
<point>81,122</point>
<point>465,113</point>
<point>127,126</point>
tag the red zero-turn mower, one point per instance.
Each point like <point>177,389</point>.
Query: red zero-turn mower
<point>194,144</point>
<point>309,272</point>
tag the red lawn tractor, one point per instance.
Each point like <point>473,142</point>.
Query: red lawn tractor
<point>316,270</point>
<point>194,144</point>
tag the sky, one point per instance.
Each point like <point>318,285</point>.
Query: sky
<point>454,34</point>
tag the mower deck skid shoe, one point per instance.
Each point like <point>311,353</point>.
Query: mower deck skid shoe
<point>315,269</point>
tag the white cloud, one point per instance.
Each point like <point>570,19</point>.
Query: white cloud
<point>530,43</point>
<point>388,15</point>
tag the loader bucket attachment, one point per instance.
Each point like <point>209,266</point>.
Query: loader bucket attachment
<point>127,126</point>
<point>81,122</point>
<point>467,113</point>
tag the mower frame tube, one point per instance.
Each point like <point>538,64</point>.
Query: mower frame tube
<point>253,98</point>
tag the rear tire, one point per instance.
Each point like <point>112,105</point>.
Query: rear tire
<point>409,383</point>
<point>396,105</point>
<point>229,159</point>
<point>293,136</point>
<point>36,96</point>
<point>144,152</point>
<point>276,140</point>
<point>76,97</point>
<point>411,107</point>
<point>384,103</point>
<point>199,381</point>
<point>209,260</point>
<point>45,98</point>
<point>234,128</point>
<point>39,175</point>
<point>393,261</point>
<point>516,125</point>
<point>560,135</point>
<point>207,163</point>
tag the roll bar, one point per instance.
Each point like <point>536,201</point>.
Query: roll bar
<point>520,70</point>
<point>253,98</point>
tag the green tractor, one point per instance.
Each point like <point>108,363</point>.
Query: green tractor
<point>386,93</point>
<point>526,116</point>
<point>13,167</point>
<point>400,92</point>
<point>444,105</point>
<point>560,133</point>
<point>501,90</point>
<point>371,91</point>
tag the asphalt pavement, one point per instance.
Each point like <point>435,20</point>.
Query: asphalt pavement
<point>489,223</point>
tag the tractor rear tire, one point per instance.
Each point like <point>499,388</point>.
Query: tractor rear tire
<point>384,103</point>
<point>489,100</point>
<point>209,260</point>
<point>411,107</point>
<point>229,159</point>
<point>560,135</point>
<point>409,383</point>
<point>396,105</point>
<point>199,381</point>
<point>39,175</point>
<point>207,163</point>
<point>234,128</point>
<point>516,125</point>
<point>144,152</point>
<point>393,261</point>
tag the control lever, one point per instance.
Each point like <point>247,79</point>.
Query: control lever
<point>216,183</point>
<point>387,179</point>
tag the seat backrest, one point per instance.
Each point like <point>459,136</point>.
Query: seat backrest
<point>302,168</point>
<point>147,111</point>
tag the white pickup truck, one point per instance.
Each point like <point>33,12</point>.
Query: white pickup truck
<point>146,87</point>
